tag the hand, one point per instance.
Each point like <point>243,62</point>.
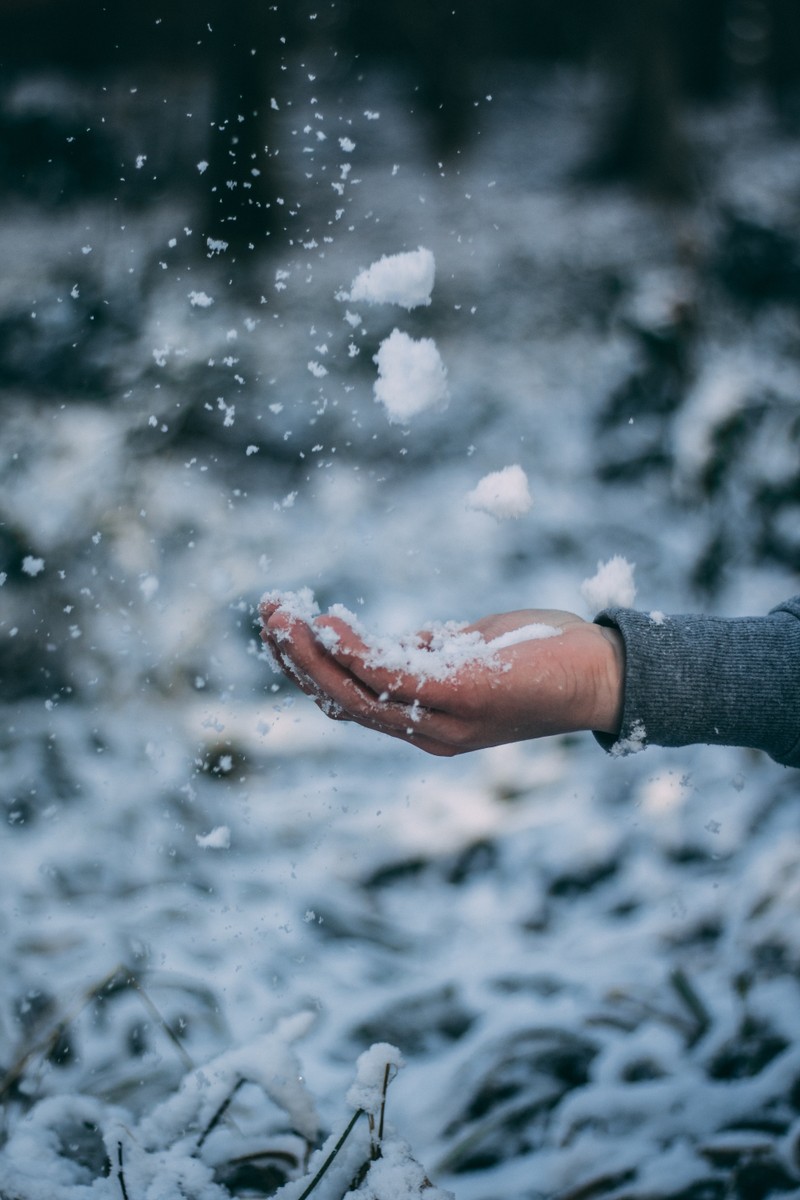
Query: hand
<point>532,689</point>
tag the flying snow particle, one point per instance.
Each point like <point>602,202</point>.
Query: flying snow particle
<point>317,369</point>
<point>411,376</point>
<point>404,279</point>
<point>612,585</point>
<point>217,839</point>
<point>502,493</point>
<point>32,566</point>
<point>202,166</point>
<point>148,586</point>
<point>347,144</point>
<point>200,299</point>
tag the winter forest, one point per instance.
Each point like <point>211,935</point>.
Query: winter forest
<point>433,308</point>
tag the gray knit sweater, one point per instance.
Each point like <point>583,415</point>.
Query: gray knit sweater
<point>732,682</point>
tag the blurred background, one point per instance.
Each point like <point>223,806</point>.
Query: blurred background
<point>612,195</point>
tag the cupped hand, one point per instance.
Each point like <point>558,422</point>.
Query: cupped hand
<point>530,689</point>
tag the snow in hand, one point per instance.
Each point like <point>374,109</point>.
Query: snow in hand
<point>443,649</point>
<point>611,585</point>
<point>411,376</point>
<point>502,493</point>
<point>404,279</point>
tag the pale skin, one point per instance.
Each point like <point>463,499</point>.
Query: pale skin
<point>561,684</point>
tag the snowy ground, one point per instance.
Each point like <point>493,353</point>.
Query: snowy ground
<point>590,966</point>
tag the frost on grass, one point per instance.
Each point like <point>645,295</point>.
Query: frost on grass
<point>502,494</point>
<point>611,586</point>
<point>411,376</point>
<point>404,279</point>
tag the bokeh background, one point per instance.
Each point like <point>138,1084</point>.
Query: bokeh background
<point>591,965</point>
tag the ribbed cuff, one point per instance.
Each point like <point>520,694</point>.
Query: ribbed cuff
<point>723,681</point>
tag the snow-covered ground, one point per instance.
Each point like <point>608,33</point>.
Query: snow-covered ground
<point>591,966</point>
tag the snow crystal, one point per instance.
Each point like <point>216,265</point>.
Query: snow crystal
<point>217,839</point>
<point>502,493</point>
<point>374,1069</point>
<point>657,617</point>
<point>611,586</point>
<point>31,565</point>
<point>631,744</point>
<point>300,605</point>
<point>200,299</point>
<point>411,376</point>
<point>404,279</point>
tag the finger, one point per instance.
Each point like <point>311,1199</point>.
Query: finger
<point>386,679</point>
<point>308,658</point>
<point>411,734</point>
<point>344,697</point>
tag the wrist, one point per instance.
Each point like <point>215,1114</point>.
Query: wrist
<point>610,682</point>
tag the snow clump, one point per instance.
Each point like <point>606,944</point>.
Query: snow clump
<point>611,586</point>
<point>411,376</point>
<point>218,839</point>
<point>31,565</point>
<point>375,1069</point>
<point>502,494</point>
<point>404,279</point>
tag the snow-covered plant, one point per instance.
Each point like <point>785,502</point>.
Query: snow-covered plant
<point>243,1122</point>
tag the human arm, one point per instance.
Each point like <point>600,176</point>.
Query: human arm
<point>726,681</point>
<point>530,689</point>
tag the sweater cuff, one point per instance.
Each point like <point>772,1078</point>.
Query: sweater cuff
<point>722,681</point>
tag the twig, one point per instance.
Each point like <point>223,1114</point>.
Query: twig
<point>220,1113</point>
<point>358,1113</point>
<point>383,1101</point>
<point>46,1044</point>
<point>156,1015</point>
<point>121,1173</point>
<point>682,985</point>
